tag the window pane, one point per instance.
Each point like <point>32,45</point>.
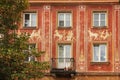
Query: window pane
<point>96,23</point>
<point>68,49</point>
<point>27,20</point>
<point>33,19</point>
<point>61,53</point>
<point>60,19</point>
<point>96,53</point>
<point>31,58</point>
<point>96,17</point>
<point>102,23</point>
<point>32,46</point>
<point>61,49</point>
<point>61,16</point>
<point>68,20</point>
<point>27,16</point>
<point>61,23</point>
<point>103,52</point>
<point>102,16</point>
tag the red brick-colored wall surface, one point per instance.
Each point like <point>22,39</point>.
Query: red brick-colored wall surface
<point>81,35</point>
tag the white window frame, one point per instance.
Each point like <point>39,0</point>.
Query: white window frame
<point>65,13</point>
<point>29,58</point>
<point>99,54</point>
<point>99,18</point>
<point>30,19</point>
<point>62,61</point>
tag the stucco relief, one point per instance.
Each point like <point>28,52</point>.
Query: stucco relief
<point>82,7</point>
<point>81,58</point>
<point>69,36</point>
<point>46,56</point>
<point>64,35</point>
<point>92,34</point>
<point>35,35</point>
<point>100,35</point>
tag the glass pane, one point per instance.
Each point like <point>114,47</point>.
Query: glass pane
<point>31,58</point>
<point>96,23</point>
<point>102,16</point>
<point>96,53</point>
<point>102,23</point>
<point>68,53</point>
<point>96,17</point>
<point>103,52</point>
<point>68,15</point>
<point>33,19</point>
<point>27,20</point>
<point>68,50</point>
<point>61,16</point>
<point>68,24</point>
<point>60,19</point>
<point>61,53</point>
<point>31,46</point>
<point>61,23</point>
<point>27,16</point>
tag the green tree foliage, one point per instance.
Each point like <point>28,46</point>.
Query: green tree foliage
<point>14,48</point>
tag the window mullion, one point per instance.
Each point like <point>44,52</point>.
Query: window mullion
<point>99,19</point>
<point>99,54</point>
<point>24,19</point>
<point>64,19</point>
<point>30,18</point>
<point>70,19</point>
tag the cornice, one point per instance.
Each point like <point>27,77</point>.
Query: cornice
<point>73,1</point>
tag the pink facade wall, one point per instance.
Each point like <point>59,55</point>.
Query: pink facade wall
<point>47,34</point>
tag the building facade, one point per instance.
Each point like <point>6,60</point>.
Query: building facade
<point>80,37</point>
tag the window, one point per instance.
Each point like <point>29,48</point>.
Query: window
<point>29,56</point>
<point>99,19</point>
<point>64,55</point>
<point>64,19</point>
<point>30,19</point>
<point>1,36</point>
<point>99,53</point>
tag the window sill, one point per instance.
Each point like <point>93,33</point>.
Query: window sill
<point>31,27</point>
<point>63,27</point>
<point>99,27</point>
<point>100,63</point>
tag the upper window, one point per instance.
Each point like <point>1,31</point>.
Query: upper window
<point>99,19</point>
<point>99,53</point>
<point>29,19</point>
<point>64,19</point>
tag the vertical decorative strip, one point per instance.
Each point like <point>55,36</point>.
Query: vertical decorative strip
<point>43,30</point>
<point>46,32</point>
<point>81,21</point>
<point>51,34</point>
<point>78,39</point>
<point>86,38</point>
<point>113,25</point>
<point>115,34</point>
<point>119,34</point>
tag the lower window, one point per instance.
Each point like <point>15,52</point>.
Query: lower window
<point>99,53</point>
<point>29,55</point>
<point>64,55</point>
